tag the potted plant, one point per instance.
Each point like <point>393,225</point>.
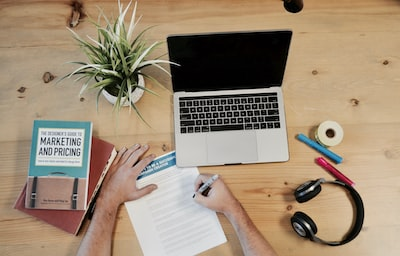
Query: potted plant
<point>117,60</point>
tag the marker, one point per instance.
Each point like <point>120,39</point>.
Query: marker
<point>332,170</point>
<point>206,186</point>
<point>337,159</point>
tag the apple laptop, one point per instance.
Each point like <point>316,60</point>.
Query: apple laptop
<point>228,102</point>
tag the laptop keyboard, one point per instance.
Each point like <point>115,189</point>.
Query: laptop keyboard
<point>230,112</point>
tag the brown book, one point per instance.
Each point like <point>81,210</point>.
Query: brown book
<point>102,155</point>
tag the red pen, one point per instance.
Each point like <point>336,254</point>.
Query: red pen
<point>335,172</point>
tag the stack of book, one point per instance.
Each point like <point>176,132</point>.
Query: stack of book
<point>67,167</point>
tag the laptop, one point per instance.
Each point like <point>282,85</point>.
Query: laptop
<point>228,103</point>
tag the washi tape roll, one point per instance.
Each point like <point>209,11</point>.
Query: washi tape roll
<point>329,134</point>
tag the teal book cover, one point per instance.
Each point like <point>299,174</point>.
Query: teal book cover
<point>59,165</point>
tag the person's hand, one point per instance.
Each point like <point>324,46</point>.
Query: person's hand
<point>219,197</point>
<point>120,183</point>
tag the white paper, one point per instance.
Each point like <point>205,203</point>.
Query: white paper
<point>168,221</point>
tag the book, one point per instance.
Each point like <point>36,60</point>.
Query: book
<point>102,155</point>
<point>168,221</point>
<point>59,165</point>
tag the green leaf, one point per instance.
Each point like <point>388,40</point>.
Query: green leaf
<point>117,57</point>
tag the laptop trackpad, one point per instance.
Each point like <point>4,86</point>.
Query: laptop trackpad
<point>232,147</point>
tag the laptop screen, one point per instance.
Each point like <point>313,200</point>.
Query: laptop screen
<point>232,60</point>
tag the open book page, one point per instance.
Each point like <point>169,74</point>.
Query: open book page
<point>168,221</point>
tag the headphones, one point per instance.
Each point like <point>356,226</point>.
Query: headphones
<point>306,227</point>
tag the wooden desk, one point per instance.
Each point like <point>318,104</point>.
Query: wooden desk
<point>343,65</point>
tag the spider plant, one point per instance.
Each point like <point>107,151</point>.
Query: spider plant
<point>117,58</point>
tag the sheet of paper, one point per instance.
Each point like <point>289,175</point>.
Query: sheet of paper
<point>169,221</point>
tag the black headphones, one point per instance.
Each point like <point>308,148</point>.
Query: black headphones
<point>306,227</point>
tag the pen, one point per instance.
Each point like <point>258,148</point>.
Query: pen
<point>206,186</point>
<point>332,170</point>
<point>337,159</point>
<point>92,205</point>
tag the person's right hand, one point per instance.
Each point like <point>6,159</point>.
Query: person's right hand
<point>219,198</point>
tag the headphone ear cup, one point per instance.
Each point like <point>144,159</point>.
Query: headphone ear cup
<point>303,195</point>
<point>304,225</point>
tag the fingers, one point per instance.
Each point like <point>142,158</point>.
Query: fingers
<point>200,199</point>
<point>114,165</point>
<point>119,156</point>
<point>139,166</point>
<point>132,154</point>
<point>146,190</point>
<point>200,180</point>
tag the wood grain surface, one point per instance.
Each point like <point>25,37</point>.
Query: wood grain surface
<point>344,65</point>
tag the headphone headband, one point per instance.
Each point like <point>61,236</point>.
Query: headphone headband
<point>304,225</point>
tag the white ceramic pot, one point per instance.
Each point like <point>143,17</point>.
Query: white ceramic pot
<point>136,94</point>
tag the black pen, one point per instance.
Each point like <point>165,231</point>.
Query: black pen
<point>92,205</point>
<point>206,186</point>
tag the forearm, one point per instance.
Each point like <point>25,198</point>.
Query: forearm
<point>98,238</point>
<point>118,187</point>
<point>251,240</point>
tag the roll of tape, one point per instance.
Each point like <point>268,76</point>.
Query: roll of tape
<point>329,134</point>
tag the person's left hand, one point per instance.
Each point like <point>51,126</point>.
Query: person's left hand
<point>120,183</point>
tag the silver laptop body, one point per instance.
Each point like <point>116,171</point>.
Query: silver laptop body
<point>228,102</point>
